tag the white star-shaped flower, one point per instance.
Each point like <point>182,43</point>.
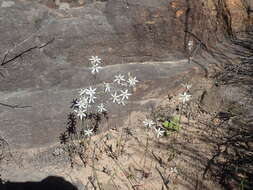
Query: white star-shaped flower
<point>173,170</point>
<point>95,68</point>
<point>90,91</point>
<point>119,78</point>
<point>82,91</point>
<point>91,99</point>
<point>95,59</point>
<point>80,113</point>
<point>82,103</point>
<point>101,108</point>
<point>107,87</point>
<point>148,123</point>
<point>159,132</point>
<point>187,86</point>
<point>88,132</point>
<point>190,45</point>
<point>132,81</point>
<point>184,97</point>
<point>124,94</point>
<point>115,97</point>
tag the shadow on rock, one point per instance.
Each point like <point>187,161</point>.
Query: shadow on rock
<point>49,183</point>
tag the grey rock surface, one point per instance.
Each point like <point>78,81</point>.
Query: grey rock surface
<point>41,114</point>
<point>45,53</point>
<point>45,49</point>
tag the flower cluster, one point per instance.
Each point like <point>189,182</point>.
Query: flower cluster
<point>159,131</point>
<point>95,61</point>
<point>151,124</point>
<point>90,99</point>
<point>121,92</point>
